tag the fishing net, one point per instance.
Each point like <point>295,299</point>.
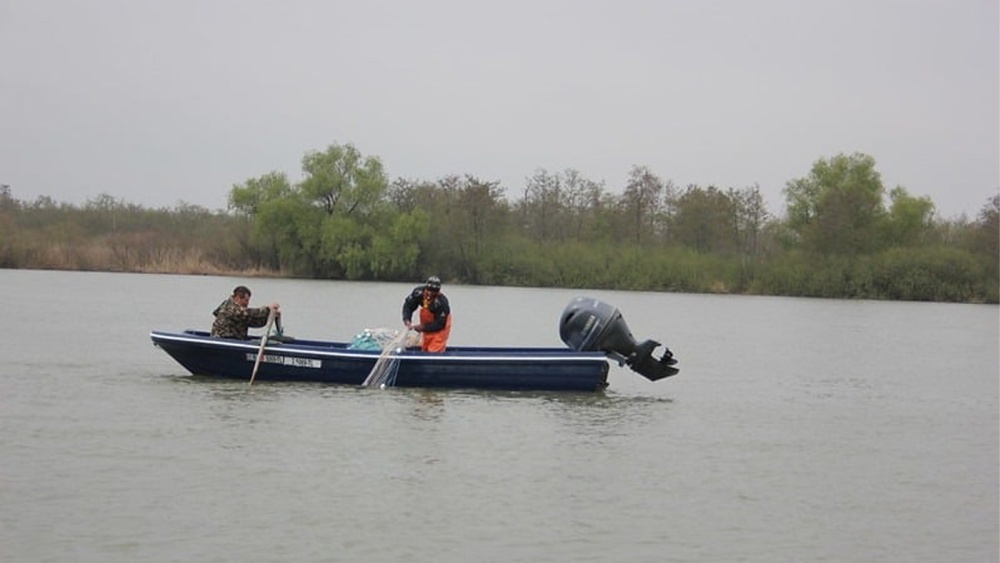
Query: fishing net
<point>373,339</point>
<point>383,373</point>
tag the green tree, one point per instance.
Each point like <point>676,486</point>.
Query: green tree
<point>468,216</point>
<point>705,220</point>
<point>986,237</point>
<point>586,206</point>
<point>541,207</point>
<point>483,213</point>
<point>641,203</point>
<point>267,238</point>
<point>910,219</point>
<point>838,208</point>
<point>247,197</point>
<point>287,229</point>
<point>329,224</point>
<point>396,250</point>
<point>342,181</point>
<point>751,216</point>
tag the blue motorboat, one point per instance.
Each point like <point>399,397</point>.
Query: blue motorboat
<point>594,333</point>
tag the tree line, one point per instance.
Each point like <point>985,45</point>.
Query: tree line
<point>844,235</point>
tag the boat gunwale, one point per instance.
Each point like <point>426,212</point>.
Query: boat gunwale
<point>332,349</point>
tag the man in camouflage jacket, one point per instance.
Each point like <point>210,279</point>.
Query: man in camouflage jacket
<point>234,316</point>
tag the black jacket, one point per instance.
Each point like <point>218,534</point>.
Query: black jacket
<point>438,306</point>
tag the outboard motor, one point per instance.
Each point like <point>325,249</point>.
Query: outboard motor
<point>591,325</point>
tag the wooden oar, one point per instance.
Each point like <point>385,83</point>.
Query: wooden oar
<point>263,342</point>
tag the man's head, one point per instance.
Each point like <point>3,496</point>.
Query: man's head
<point>241,295</point>
<point>433,283</point>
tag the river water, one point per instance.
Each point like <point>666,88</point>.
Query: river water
<point>797,430</point>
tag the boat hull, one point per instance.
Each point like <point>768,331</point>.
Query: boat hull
<point>555,369</point>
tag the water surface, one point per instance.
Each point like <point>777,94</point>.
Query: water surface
<point>797,430</point>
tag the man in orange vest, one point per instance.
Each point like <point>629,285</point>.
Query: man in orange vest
<point>435,314</point>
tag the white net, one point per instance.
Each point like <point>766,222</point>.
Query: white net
<point>384,371</point>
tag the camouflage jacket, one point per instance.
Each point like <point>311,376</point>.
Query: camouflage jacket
<point>232,320</point>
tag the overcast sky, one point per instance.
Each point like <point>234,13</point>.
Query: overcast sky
<point>162,101</point>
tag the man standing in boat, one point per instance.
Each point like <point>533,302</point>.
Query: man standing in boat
<point>234,316</point>
<point>435,315</point>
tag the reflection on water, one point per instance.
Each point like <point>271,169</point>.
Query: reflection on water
<point>426,404</point>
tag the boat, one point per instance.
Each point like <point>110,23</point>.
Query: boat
<point>594,333</point>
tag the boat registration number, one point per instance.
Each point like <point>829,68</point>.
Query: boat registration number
<point>286,361</point>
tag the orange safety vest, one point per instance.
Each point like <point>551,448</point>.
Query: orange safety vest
<point>433,341</point>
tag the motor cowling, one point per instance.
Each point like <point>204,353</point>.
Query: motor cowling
<point>591,325</point>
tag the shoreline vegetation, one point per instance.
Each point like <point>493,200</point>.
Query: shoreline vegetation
<point>842,236</point>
